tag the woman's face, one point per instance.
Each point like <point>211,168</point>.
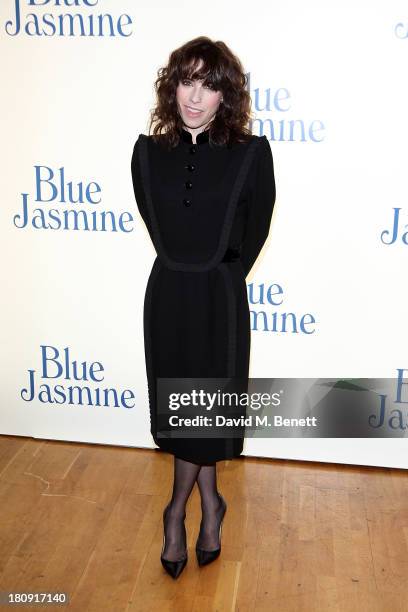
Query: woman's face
<point>197,103</point>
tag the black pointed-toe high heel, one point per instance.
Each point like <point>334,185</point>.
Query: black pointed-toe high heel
<point>174,568</point>
<point>204,557</point>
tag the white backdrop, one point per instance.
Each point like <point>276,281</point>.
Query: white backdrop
<point>329,78</point>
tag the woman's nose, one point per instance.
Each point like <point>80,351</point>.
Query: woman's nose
<point>196,94</point>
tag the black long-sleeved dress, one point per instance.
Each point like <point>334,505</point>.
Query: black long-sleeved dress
<point>208,210</point>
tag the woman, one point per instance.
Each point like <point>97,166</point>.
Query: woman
<point>205,188</point>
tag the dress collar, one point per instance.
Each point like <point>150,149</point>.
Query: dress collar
<point>201,137</point>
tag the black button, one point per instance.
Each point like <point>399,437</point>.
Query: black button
<point>188,184</point>
<point>190,167</point>
<point>186,202</point>
<point>193,149</point>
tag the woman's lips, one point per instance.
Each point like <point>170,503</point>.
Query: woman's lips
<point>192,112</point>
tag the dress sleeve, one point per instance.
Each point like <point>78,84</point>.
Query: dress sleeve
<point>138,184</point>
<point>260,207</point>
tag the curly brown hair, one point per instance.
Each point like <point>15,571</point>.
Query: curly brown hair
<point>223,71</point>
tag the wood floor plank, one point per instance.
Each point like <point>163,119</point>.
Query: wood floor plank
<point>297,536</point>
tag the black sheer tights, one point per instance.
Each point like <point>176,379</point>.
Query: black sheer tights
<point>185,475</point>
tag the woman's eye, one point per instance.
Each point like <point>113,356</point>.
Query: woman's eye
<point>207,86</point>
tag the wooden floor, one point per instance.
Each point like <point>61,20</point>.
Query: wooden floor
<point>306,537</point>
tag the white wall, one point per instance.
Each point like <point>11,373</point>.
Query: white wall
<point>79,102</point>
